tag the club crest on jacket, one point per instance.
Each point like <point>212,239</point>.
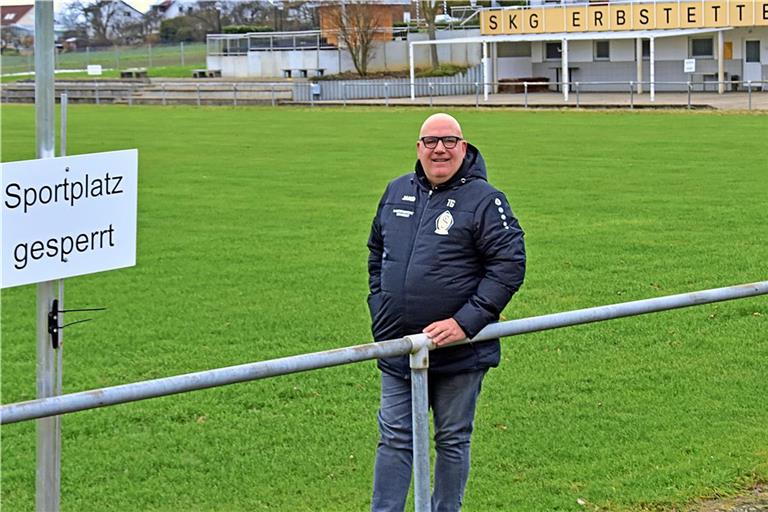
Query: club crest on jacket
<point>444,223</point>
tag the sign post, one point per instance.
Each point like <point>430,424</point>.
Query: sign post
<point>48,475</point>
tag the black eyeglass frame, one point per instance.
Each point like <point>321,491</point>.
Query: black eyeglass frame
<point>437,140</point>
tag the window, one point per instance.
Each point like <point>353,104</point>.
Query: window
<point>602,50</point>
<point>646,49</point>
<point>522,49</point>
<point>753,51</point>
<point>702,47</point>
<point>553,51</point>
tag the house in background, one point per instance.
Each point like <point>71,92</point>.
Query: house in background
<point>18,26</point>
<point>385,14</point>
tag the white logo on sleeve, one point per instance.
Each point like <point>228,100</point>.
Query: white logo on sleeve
<point>451,203</point>
<point>411,199</point>
<point>443,223</point>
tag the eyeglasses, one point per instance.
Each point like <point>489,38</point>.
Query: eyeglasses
<point>449,141</point>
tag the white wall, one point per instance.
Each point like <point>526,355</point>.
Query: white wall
<point>514,67</point>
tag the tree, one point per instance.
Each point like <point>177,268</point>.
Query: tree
<point>357,24</point>
<point>430,10</point>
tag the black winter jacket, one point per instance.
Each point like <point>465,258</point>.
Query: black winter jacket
<point>455,250</point>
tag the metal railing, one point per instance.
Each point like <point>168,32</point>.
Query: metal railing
<point>454,90</point>
<point>541,94</point>
<point>418,346</point>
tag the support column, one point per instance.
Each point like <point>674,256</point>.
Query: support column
<point>653,68</point>
<point>486,72</point>
<point>413,74</point>
<point>564,74</point>
<point>720,64</point>
<point>639,58</point>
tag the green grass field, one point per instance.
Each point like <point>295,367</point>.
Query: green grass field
<point>251,246</point>
<point>115,57</point>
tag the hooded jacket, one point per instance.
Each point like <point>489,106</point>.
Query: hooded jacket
<point>455,250</point>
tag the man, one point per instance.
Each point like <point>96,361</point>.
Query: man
<point>446,255</point>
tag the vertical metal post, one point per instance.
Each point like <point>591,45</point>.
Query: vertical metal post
<point>311,95</point>
<point>63,131</point>
<point>234,95</point>
<point>578,95</point>
<point>130,96</point>
<point>386,93</point>
<point>565,71</point>
<point>149,52</point>
<point>631,94</point>
<point>117,58</point>
<point>419,361</point>
<point>344,93</point>
<point>688,85</point>
<point>163,89</point>
<point>525,94</point>
<point>48,474</point>
<point>749,93</point>
<point>477,95</point>
<point>87,55</point>
<point>413,72</point>
<point>182,53</point>
<point>272,94</point>
<point>198,94</point>
<point>431,91</point>
<point>96,92</point>
<point>652,68</point>
<point>486,72</point>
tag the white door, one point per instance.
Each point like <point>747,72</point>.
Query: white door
<point>752,66</point>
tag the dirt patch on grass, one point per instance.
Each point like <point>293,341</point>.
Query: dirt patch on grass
<point>754,501</point>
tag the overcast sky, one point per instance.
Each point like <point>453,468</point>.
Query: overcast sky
<point>141,5</point>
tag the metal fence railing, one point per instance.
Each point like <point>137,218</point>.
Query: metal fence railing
<point>456,91</point>
<point>418,346</point>
<point>343,90</point>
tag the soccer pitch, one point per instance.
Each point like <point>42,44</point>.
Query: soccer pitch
<point>252,226</point>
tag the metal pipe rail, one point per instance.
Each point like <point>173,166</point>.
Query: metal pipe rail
<point>45,407</point>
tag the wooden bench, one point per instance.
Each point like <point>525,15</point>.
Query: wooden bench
<point>206,73</point>
<point>134,73</point>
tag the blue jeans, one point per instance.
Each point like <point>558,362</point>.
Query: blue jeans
<point>452,399</point>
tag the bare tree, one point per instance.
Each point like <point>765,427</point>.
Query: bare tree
<point>357,24</point>
<point>430,10</point>
<point>210,14</point>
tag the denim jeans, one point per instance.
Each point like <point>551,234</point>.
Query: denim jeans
<point>452,399</point>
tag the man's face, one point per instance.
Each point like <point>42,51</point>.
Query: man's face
<point>440,163</point>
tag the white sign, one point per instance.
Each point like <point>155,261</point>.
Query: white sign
<point>94,69</point>
<point>68,216</point>
<point>689,66</point>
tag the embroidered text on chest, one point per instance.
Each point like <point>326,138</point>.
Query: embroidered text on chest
<point>402,213</point>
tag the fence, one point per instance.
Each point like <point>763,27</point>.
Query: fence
<point>342,90</point>
<point>454,91</point>
<point>117,57</point>
<point>418,346</point>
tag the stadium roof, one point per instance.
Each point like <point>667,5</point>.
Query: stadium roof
<point>577,36</point>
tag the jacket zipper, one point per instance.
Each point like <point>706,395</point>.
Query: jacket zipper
<point>416,236</point>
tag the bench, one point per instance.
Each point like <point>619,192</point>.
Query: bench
<point>206,73</point>
<point>134,73</point>
<point>302,72</point>
<point>517,85</point>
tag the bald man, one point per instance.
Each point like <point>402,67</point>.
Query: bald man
<point>446,256</point>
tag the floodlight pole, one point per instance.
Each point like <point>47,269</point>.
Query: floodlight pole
<point>48,474</point>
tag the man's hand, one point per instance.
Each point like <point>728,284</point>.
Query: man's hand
<point>444,332</point>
